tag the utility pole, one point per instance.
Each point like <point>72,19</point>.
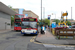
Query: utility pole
<point>55,16</point>
<point>43,12</point>
<point>41,16</point>
<point>61,16</point>
<point>71,15</point>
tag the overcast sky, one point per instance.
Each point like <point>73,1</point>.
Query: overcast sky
<point>51,6</point>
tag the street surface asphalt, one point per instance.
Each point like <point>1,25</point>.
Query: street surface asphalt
<point>13,40</point>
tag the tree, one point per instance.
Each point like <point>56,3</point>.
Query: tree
<point>69,23</point>
<point>44,22</point>
<point>12,20</point>
<point>57,21</point>
<point>12,17</point>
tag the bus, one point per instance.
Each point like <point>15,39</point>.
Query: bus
<point>17,21</point>
<point>29,26</point>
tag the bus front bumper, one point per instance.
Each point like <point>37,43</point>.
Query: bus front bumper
<point>27,33</point>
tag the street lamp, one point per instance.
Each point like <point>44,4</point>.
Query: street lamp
<point>54,14</point>
<point>49,17</point>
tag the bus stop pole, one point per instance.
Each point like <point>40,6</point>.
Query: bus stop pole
<point>50,22</point>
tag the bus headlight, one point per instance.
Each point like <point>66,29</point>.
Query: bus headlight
<point>22,31</point>
<point>34,31</point>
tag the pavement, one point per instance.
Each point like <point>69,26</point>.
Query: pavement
<point>49,38</point>
<point>7,30</point>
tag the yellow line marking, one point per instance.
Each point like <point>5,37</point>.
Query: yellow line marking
<point>32,40</point>
<point>4,35</point>
<point>34,37</point>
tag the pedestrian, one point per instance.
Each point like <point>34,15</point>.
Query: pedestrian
<point>43,29</point>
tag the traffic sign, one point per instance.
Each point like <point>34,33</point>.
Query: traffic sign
<point>49,16</point>
<point>64,14</point>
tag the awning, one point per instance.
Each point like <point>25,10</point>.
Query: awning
<point>6,9</point>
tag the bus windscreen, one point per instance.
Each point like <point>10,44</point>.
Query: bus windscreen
<point>29,24</point>
<point>17,20</point>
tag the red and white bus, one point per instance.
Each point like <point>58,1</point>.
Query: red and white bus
<point>29,25</point>
<point>17,21</point>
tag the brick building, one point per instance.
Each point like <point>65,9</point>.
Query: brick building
<point>27,13</point>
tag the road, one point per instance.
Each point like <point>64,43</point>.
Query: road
<point>14,41</point>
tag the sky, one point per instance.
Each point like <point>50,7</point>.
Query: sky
<point>51,6</point>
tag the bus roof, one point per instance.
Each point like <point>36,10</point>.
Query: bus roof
<point>30,17</point>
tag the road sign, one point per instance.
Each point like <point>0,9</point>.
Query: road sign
<point>49,16</point>
<point>64,14</point>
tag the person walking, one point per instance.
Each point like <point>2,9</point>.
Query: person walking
<point>43,29</point>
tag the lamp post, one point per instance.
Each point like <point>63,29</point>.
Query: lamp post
<point>41,16</point>
<point>49,17</point>
<point>54,14</point>
<point>43,12</point>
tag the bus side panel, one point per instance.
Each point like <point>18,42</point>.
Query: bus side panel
<point>17,28</point>
<point>14,28</point>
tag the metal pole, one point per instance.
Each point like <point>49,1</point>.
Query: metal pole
<point>43,12</point>
<point>55,16</point>
<point>71,16</point>
<point>41,16</point>
<point>50,22</point>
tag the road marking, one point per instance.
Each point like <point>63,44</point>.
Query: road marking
<point>32,40</point>
<point>4,35</point>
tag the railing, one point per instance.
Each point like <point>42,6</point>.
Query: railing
<point>66,32</point>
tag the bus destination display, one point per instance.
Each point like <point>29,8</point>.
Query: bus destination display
<point>29,19</point>
<point>17,20</point>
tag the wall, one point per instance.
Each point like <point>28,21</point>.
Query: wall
<point>5,18</point>
<point>27,12</point>
<point>34,15</point>
<point>16,10</point>
<point>30,14</point>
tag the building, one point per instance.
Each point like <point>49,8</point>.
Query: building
<point>5,16</point>
<point>27,13</point>
<point>30,14</point>
<point>71,20</point>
